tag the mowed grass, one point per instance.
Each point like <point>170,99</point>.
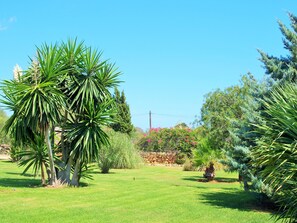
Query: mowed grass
<point>149,194</point>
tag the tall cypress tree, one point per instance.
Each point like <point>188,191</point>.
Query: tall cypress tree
<point>123,121</point>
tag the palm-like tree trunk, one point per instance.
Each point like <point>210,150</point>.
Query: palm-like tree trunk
<point>75,177</point>
<point>210,172</point>
<point>64,174</point>
<point>63,144</point>
<point>43,181</point>
<point>53,177</point>
<point>67,160</point>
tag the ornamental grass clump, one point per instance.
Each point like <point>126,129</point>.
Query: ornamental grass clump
<point>119,154</point>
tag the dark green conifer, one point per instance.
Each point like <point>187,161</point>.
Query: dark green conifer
<point>123,121</point>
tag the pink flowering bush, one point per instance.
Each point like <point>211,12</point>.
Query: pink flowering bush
<point>180,140</point>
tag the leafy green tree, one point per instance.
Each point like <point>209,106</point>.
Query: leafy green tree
<point>123,117</point>
<point>229,117</point>
<point>217,111</point>
<point>275,154</point>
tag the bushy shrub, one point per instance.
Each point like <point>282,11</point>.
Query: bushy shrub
<point>14,151</point>
<point>119,154</point>
<point>181,140</point>
<point>4,137</point>
<point>188,165</point>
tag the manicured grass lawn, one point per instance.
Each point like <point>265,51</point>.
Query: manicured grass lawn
<point>149,194</point>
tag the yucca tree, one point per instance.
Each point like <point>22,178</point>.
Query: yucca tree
<point>68,86</point>
<point>276,151</point>
<point>72,52</point>
<point>86,85</point>
<point>36,100</point>
<point>90,108</point>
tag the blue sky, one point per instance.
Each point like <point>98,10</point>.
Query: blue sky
<point>171,53</point>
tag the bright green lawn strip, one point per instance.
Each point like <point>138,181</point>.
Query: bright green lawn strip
<point>149,194</point>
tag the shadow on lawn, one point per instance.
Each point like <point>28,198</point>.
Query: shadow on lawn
<point>20,174</point>
<point>11,182</point>
<point>217,179</point>
<point>31,183</point>
<point>241,200</point>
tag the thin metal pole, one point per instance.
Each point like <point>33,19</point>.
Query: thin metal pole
<point>150,118</point>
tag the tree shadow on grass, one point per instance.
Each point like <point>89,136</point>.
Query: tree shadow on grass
<point>21,174</point>
<point>216,179</point>
<point>225,180</point>
<point>241,200</point>
<point>5,161</point>
<point>12,182</point>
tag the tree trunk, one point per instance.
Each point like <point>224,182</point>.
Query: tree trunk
<point>63,144</point>
<point>64,174</point>
<point>68,169</point>
<point>245,185</point>
<point>48,171</point>
<point>52,137</point>
<point>66,163</point>
<point>53,177</point>
<point>240,178</point>
<point>43,181</point>
<point>209,172</point>
<point>75,176</point>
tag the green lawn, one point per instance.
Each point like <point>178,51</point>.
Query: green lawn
<point>149,194</point>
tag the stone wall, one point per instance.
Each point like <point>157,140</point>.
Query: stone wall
<point>159,157</point>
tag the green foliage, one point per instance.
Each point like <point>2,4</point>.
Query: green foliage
<point>238,156</point>
<point>87,85</point>
<point>283,69</point>
<point>120,153</point>
<point>276,153</point>
<point>204,154</point>
<point>123,117</point>
<point>4,138</point>
<point>67,86</point>
<point>188,165</point>
<point>181,140</point>
<point>86,133</point>
<point>14,151</point>
<point>35,157</point>
<point>216,114</point>
<point>36,101</point>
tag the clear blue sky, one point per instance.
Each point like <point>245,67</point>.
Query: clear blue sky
<point>171,53</point>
